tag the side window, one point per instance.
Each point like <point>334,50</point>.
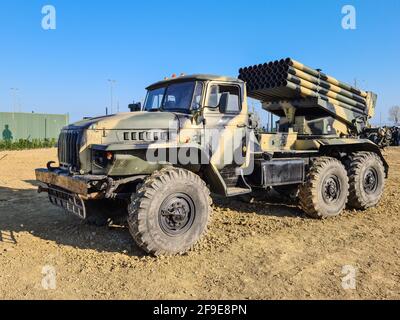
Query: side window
<point>213,98</point>
<point>234,104</point>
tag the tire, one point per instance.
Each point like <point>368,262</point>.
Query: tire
<point>326,190</point>
<point>288,191</point>
<point>170,212</point>
<point>103,212</point>
<point>367,180</point>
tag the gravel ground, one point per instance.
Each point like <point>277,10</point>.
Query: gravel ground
<point>264,250</point>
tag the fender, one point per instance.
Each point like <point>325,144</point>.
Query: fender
<point>134,156</point>
<point>351,145</point>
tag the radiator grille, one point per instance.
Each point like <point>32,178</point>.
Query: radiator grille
<point>69,144</point>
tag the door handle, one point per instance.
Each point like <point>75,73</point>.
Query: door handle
<point>241,125</point>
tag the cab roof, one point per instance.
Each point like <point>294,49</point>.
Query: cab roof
<point>193,77</point>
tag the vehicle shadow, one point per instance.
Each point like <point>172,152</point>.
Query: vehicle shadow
<point>24,210</point>
<point>7,236</point>
<point>268,203</point>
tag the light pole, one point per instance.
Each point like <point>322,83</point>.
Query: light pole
<point>112,83</point>
<point>14,92</point>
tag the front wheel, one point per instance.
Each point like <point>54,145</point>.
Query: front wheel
<point>170,212</point>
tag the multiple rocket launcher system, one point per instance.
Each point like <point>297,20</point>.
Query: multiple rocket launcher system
<point>288,79</point>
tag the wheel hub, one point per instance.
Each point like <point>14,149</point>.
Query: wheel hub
<point>331,189</point>
<point>370,181</point>
<point>176,214</point>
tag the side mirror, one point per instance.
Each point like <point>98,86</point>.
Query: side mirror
<point>223,102</point>
<point>135,107</point>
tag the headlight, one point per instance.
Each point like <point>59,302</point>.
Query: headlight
<point>102,158</point>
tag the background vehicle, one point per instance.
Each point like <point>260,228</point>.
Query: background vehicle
<point>194,134</point>
<point>381,136</point>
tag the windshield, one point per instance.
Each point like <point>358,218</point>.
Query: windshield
<point>180,97</point>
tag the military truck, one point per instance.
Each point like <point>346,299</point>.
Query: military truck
<point>156,166</point>
<point>381,136</point>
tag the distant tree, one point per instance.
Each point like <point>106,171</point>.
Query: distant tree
<point>394,114</point>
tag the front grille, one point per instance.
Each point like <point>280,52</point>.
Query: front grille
<point>69,144</point>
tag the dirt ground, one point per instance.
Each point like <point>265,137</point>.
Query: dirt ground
<point>264,250</point>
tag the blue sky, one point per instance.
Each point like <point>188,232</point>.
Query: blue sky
<point>139,42</point>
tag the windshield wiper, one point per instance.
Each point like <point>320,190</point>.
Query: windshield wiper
<point>177,110</point>
<point>152,109</point>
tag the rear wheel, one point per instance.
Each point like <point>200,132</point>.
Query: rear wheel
<point>170,212</point>
<point>325,192</point>
<point>367,180</point>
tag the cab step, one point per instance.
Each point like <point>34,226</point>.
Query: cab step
<point>235,191</point>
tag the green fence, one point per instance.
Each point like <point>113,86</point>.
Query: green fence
<point>30,126</point>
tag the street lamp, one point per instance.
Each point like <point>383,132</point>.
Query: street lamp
<point>14,92</point>
<point>112,83</point>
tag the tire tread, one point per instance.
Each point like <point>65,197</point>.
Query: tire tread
<point>308,193</point>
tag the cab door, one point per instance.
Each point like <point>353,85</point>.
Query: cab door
<point>225,127</point>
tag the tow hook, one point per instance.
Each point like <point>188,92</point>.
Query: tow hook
<point>49,167</point>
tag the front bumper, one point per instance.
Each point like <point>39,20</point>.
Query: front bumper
<point>67,191</point>
<point>78,184</point>
<point>70,192</point>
